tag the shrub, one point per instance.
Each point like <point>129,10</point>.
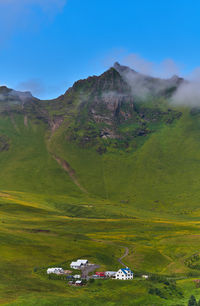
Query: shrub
<point>192,301</point>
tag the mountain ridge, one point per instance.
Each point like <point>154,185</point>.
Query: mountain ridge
<point>99,117</point>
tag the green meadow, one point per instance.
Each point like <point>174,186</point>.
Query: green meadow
<point>146,199</point>
<point>34,238</point>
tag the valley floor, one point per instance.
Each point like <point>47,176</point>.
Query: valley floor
<point>36,232</point>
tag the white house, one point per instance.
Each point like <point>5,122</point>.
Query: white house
<point>124,274</point>
<point>110,273</point>
<point>78,283</point>
<point>80,263</point>
<point>55,270</point>
<point>77,276</point>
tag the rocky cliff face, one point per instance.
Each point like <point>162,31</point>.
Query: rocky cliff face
<point>108,96</point>
<point>103,94</point>
<point>116,107</point>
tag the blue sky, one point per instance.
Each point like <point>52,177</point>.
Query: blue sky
<point>46,45</point>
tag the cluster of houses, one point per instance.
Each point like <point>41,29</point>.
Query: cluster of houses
<point>81,264</point>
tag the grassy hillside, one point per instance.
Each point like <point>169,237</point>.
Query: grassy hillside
<point>27,165</point>
<point>162,174</point>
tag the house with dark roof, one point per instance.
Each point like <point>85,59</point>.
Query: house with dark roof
<point>124,274</point>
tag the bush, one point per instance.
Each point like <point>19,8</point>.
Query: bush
<point>53,276</point>
<point>157,292</point>
<point>192,301</point>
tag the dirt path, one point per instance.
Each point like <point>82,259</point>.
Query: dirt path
<point>66,166</point>
<point>125,254</point>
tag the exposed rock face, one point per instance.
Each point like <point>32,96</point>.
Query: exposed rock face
<point>108,96</point>
<point>102,95</point>
<point>102,105</point>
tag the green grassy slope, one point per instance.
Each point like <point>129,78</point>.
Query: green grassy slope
<point>162,174</point>
<point>27,165</point>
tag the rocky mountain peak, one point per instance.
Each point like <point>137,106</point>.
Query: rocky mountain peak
<point>10,94</point>
<point>123,69</point>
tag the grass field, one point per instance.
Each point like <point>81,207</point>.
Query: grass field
<point>147,200</point>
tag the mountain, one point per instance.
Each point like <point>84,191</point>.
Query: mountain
<point>108,132</point>
<point>109,171</point>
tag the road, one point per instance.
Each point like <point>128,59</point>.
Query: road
<point>125,254</point>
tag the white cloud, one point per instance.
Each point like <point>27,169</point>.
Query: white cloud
<point>188,94</point>
<point>167,68</point>
<point>35,86</point>
<point>45,4</point>
<point>163,69</point>
<point>138,63</point>
<point>21,14</point>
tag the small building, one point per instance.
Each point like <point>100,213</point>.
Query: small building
<point>145,276</point>
<point>70,283</point>
<point>124,274</point>
<point>110,273</point>
<point>100,274</point>
<point>69,277</point>
<point>95,276</point>
<point>55,271</point>
<point>77,276</point>
<point>80,263</point>
<point>78,283</point>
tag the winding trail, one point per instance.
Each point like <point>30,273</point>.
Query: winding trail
<point>125,254</point>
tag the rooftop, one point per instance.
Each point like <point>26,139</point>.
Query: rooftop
<point>82,261</point>
<point>126,270</point>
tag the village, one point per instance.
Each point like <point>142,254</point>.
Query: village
<point>86,268</point>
